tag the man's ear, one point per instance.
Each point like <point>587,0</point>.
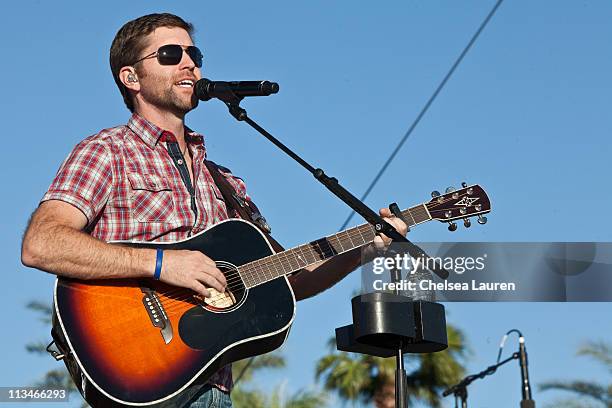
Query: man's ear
<point>129,78</point>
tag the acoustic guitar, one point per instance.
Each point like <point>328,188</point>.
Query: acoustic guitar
<point>145,343</point>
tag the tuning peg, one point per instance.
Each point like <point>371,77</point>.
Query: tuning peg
<point>482,220</point>
<point>450,189</point>
<point>464,184</point>
<point>467,223</point>
<point>435,193</point>
<point>452,226</point>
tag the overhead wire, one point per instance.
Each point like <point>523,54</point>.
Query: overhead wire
<point>425,109</point>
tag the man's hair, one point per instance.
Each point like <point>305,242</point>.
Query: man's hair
<point>129,43</point>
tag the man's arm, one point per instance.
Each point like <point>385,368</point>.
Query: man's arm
<point>318,277</point>
<point>55,242</point>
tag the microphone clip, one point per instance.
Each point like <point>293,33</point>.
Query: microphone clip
<point>236,110</point>
<point>232,101</point>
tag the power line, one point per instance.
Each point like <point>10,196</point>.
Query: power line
<point>425,108</point>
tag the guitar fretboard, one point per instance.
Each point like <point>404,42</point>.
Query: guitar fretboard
<point>292,260</point>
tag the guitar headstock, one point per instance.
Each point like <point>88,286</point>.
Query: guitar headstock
<point>454,205</point>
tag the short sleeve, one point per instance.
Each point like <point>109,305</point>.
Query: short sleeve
<point>84,179</point>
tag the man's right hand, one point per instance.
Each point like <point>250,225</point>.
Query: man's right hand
<point>192,270</point>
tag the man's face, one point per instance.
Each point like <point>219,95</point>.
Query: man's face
<point>159,84</point>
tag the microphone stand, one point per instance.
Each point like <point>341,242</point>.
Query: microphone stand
<point>459,390</point>
<point>526,402</point>
<point>426,322</point>
<point>233,103</point>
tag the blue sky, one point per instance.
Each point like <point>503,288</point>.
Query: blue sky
<point>526,115</point>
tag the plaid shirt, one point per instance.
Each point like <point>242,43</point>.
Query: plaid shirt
<point>125,182</point>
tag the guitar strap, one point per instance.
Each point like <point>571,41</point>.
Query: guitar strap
<point>246,209</point>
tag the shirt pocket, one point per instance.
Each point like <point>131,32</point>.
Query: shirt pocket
<point>151,198</point>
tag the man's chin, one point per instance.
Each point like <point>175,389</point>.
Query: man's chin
<point>190,107</point>
<point>181,108</point>
<point>194,102</point>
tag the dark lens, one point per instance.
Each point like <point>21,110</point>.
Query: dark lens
<point>195,54</point>
<point>170,54</point>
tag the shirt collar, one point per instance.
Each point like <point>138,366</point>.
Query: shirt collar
<point>152,134</point>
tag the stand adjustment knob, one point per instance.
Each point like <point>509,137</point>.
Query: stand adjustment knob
<point>482,220</point>
<point>452,226</point>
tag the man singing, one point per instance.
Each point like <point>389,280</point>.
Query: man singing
<point>147,181</point>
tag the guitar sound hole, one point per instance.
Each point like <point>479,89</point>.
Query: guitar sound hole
<point>234,291</point>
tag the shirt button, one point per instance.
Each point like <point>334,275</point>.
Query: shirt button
<point>179,161</point>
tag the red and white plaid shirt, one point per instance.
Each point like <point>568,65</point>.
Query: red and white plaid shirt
<point>125,182</point>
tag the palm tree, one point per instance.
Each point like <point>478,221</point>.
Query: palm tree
<point>359,377</point>
<point>246,397</point>
<point>58,378</point>
<point>590,393</point>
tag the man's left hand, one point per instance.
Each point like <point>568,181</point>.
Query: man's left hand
<point>381,241</point>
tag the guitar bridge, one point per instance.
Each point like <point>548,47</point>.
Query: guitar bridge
<point>156,313</point>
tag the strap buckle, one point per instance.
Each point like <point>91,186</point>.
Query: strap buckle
<point>256,216</point>
<point>55,351</point>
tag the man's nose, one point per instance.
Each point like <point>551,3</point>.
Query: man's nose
<point>186,62</point>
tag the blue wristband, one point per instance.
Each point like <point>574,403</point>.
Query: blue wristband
<point>158,263</point>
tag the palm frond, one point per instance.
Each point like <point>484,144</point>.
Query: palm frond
<point>572,403</point>
<point>243,370</point>
<point>307,399</point>
<point>599,350</point>
<point>348,376</point>
<point>248,398</point>
<point>582,388</point>
<point>42,308</point>
<point>38,348</point>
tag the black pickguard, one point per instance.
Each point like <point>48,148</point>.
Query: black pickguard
<point>267,308</point>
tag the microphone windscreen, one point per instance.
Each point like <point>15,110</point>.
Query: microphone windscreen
<point>268,88</point>
<point>201,89</point>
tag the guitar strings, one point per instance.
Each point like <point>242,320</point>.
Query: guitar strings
<point>350,234</point>
<point>233,272</point>
<point>235,279</point>
<point>250,269</point>
<point>180,298</point>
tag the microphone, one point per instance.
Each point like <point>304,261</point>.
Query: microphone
<point>206,89</point>
<point>526,402</point>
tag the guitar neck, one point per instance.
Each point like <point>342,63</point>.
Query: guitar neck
<point>292,260</point>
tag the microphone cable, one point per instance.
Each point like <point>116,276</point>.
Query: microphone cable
<point>503,341</point>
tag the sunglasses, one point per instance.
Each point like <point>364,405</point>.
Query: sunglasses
<point>171,54</point>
